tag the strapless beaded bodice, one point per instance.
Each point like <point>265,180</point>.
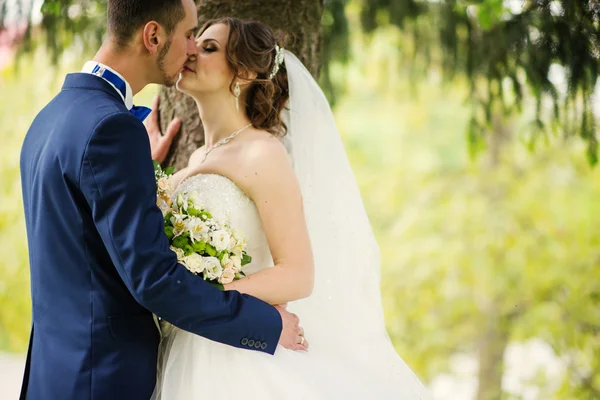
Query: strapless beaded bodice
<point>226,201</point>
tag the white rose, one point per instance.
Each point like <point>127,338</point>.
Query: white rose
<point>180,253</point>
<point>195,263</point>
<point>212,268</point>
<point>220,239</point>
<point>227,277</point>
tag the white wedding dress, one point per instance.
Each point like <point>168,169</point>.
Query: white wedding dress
<point>351,356</point>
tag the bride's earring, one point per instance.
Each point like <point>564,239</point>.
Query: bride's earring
<point>236,92</point>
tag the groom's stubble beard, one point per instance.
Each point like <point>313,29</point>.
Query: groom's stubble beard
<point>167,80</point>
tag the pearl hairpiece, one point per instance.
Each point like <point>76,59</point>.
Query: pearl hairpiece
<point>279,57</point>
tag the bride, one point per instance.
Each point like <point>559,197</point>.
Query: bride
<point>275,167</point>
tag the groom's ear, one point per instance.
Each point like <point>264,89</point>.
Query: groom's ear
<point>151,36</point>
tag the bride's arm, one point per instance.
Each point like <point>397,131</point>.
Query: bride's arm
<point>271,182</point>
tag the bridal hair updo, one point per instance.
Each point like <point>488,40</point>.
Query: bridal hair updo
<point>251,47</point>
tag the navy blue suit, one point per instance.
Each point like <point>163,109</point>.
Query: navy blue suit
<point>100,262</point>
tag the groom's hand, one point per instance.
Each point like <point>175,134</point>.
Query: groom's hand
<point>159,143</point>
<point>292,334</point>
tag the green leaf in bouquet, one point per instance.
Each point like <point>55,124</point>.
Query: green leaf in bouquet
<point>205,215</point>
<point>188,250</point>
<point>169,232</point>
<point>222,254</point>
<point>186,235</point>
<point>211,250</point>
<point>217,285</point>
<point>199,246</point>
<point>169,171</point>
<point>246,259</point>
<point>156,165</point>
<point>180,242</point>
<point>168,219</point>
<point>194,212</point>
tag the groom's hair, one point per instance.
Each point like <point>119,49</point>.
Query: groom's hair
<point>125,17</point>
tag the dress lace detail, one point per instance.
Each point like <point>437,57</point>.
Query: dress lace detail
<point>225,200</point>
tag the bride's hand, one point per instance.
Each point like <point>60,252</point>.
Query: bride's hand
<point>292,334</point>
<point>159,143</point>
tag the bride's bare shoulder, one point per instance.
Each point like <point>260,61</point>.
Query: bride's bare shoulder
<point>264,151</point>
<point>264,165</point>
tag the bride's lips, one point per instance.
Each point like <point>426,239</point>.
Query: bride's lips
<point>187,69</point>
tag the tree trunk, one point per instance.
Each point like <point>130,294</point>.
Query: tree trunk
<point>491,358</point>
<point>299,20</point>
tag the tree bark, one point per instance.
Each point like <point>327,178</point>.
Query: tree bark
<point>298,20</point>
<point>491,357</point>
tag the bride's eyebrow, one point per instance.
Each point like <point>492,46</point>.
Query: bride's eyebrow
<point>208,40</point>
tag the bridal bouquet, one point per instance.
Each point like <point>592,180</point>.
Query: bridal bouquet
<point>205,246</point>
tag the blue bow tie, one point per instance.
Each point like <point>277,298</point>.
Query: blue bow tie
<point>140,112</point>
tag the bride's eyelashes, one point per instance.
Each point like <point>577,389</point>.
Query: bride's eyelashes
<point>209,49</point>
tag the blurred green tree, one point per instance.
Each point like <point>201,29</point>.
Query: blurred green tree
<point>501,46</point>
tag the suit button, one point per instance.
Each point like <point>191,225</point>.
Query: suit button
<point>244,342</point>
<point>263,346</point>
<point>250,343</point>
<point>257,344</point>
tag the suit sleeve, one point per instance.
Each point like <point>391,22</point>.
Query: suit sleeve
<point>117,180</point>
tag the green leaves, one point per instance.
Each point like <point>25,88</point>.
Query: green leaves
<point>210,250</point>
<point>180,242</point>
<point>246,259</point>
<point>199,247</point>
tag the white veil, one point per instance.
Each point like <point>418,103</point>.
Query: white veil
<point>344,314</point>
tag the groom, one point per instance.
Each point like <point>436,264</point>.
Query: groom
<point>100,262</point>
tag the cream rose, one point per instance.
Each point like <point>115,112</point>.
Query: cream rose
<point>163,184</point>
<point>227,276</point>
